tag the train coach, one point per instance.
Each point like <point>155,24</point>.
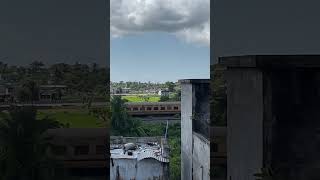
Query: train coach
<point>146,108</point>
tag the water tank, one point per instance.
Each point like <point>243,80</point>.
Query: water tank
<point>129,146</point>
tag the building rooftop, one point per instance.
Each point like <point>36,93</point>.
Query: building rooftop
<point>194,81</point>
<point>275,61</point>
<point>143,150</point>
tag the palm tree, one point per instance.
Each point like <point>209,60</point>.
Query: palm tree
<point>22,144</point>
<point>135,128</point>
<point>119,116</point>
<point>29,91</point>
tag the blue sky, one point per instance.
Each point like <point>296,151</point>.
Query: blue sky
<point>159,40</point>
<point>157,57</point>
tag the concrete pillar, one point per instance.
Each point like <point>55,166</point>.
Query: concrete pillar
<point>194,99</point>
<point>245,123</point>
<point>272,114</point>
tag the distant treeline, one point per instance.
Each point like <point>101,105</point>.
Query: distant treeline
<point>78,77</point>
<point>141,86</point>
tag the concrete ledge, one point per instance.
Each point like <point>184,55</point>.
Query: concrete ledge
<point>201,137</point>
<point>274,61</point>
<point>194,81</point>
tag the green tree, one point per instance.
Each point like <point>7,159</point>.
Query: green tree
<point>135,128</point>
<point>170,86</point>
<point>121,122</point>
<point>164,98</point>
<point>119,116</point>
<point>36,66</point>
<point>177,96</point>
<point>23,144</point>
<point>29,91</point>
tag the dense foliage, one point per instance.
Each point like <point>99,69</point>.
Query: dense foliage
<point>219,97</point>
<point>142,86</point>
<point>80,78</point>
<point>23,146</point>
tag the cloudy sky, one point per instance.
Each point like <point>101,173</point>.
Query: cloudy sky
<point>159,40</point>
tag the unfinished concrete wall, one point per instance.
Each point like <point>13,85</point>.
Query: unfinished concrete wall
<point>244,119</point>
<point>200,154</point>
<point>295,105</point>
<point>195,115</point>
<point>201,111</point>
<point>123,169</point>
<point>128,169</point>
<point>273,116</point>
<point>186,130</point>
<point>150,168</point>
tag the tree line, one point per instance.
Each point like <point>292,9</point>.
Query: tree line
<point>141,86</point>
<point>79,78</point>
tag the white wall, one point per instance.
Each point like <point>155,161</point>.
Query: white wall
<point>186,130</point>
<point>142,170</point>
<point>201,158</point>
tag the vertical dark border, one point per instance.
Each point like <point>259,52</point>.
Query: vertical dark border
<point>107,26</point>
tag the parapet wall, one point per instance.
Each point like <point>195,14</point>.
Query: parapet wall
<point>123,140</point>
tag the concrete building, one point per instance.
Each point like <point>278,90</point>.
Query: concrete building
<point>140,158</point>
<point>119,90</point>
<point>195,117</point>
<point>163,92</point>
<point>52,93</point>
<point>218,153</point>
<point>6,93</point>
<point>81,153</point>
<point>273,116</point>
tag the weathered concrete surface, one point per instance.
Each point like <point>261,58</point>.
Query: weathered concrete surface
<point>186,131</point>
<point>273,115</point>
<point>294,134</point>
<point>200,154</point>
<point>127,169</point>
<point>244,119</point>
<point>195,152</point>
<point>144,163</point>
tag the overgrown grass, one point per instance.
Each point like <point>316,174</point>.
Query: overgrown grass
<point>75,118</point>
<point>141,98</point>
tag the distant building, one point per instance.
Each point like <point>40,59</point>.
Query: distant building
<point>163,92</point>
<point>120,90</point>
<point>151,91</point>
<point>195,138</point>
<point>50,93</point>
<point>126,91</point>
<point>6,93</point>
<point>139,158</point>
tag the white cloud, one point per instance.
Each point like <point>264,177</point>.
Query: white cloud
<point>188,19</point>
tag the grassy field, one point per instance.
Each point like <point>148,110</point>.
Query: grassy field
<point>142,98</point>
<point>76,118</point>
